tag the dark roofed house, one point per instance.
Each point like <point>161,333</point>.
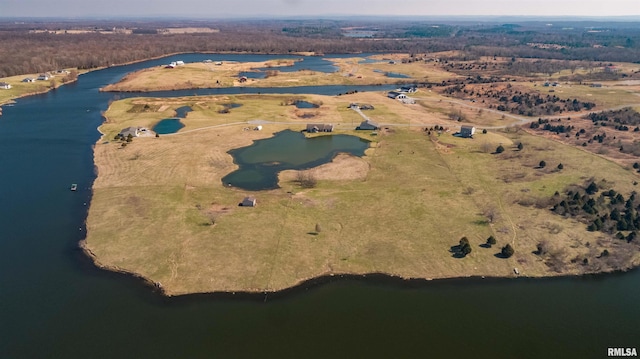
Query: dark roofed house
<point>368,125</point>
<point>319,127</point>
<point>248,202</point>
<point>408,89</point>
<point>28,79</point>
<point>4,85</point>
<point>393,94</point>
<point>467,131</point>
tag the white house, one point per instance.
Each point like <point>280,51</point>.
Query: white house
<point>44,77</point>
<point>4,85</point>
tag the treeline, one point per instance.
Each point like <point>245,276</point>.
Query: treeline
<point>624,117</point>
<point>32,53</point>
<point>36,52</point>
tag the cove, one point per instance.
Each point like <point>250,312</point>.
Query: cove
<point>55,303</point>
<point>261,162</point>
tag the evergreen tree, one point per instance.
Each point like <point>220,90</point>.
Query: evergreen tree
<point>491,241</point>
<point>499,149</point>
<point>507,251</point>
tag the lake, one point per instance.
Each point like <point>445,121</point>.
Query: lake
<point>54,303</point>
<point>261,162</point>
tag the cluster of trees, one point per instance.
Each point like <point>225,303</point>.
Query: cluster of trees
<point>609,211</point>
<point>464,248</point>
<point>620,118</point>
<point>547,126</point>
<point>511,100</point>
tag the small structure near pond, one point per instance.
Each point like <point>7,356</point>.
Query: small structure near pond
<point>368,125</point>
<point>467,131</point>
<point>319,127</point>
<point>248,202</point>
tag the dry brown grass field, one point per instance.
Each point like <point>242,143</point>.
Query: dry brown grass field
<point>397,210</point>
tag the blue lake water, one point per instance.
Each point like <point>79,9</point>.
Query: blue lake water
<point>54,303</point>
<point>261,162</point>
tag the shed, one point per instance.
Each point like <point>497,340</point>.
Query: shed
<point>467,131</point>
<point>248,202</point>
<point>368,125</point>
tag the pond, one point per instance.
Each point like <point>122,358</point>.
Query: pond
<point>305,104</point>
<point>253,74</point>
<point>261,162</point>
<point>168,125</point>
<point>394,75</point>
<point>182,112</point>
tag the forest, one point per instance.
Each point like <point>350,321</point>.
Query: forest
<point>38,46</point>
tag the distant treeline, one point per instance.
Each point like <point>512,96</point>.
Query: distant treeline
<point>27,52</point>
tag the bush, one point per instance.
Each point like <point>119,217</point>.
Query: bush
<point>306,180</point>
<point>542,164</point>
<point>507,251</point>
<point>499,149</point>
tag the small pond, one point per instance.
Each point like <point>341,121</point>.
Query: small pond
<point>253,74</point>
<point>261,162</point>
<point>394,75</point>
<point>226,107</point>
<point>305,104</point>
<point>182,112</point>
<point>168,125</point>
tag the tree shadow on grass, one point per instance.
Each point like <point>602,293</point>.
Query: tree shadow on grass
<point>500,255</point>
<point>312,233</point>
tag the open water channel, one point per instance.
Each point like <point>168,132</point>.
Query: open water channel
<point>55,304</point>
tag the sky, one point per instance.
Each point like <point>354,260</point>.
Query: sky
<point>311,8</point>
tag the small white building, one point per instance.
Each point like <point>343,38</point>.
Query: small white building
<point>4,85</point>
<point>44,77</point>
<point>249,202</point>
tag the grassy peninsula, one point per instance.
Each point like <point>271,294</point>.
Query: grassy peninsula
<point>160,210</point>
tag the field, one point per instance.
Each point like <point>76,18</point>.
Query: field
<point>159,208</point>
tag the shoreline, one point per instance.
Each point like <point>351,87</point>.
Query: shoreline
<point>13,99</point>
<point>303,285</point>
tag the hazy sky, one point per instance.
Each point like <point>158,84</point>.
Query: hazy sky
<point>252,8</point>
